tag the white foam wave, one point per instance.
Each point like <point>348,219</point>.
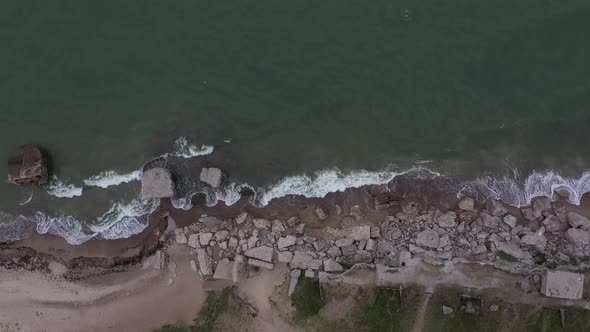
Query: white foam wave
<point>28,199</point>
<point>124,219</point>
<point>324,182</point>
<point>182,148</point>
<point>518,193</point>
<point>61,189</point>
<point>112,178</point>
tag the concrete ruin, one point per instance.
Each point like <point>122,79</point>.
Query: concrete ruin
<point>27,165</point>
<point>561,284</point>
<point>156,183</point>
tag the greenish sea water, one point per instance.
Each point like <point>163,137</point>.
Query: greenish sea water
<point>475,88</point>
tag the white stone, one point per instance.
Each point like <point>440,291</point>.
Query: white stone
<point>536,239</point>
<point>466,204</point>
<point>428,238</point>
<point>259,263</point>
<point>286,241</point>
<point>262,253</point>
<point>261,223</point>
<point>221,235</point>
<point>301,260</point>
<point>510,220</point>
<point>194,265</point>
<point>577,236</point>
<point>321,213</point>
<point>561,284</point>
<point>223,271</point>
<point>344,242</point>
<point>285,256</point>
<point>180,236</point>
<point>211,176</point>
<point>278,226</point>
<point>293,281</point>
<point>447,220</point>
<point>241,218</point>
<point>232,243</point>
<point>371,245</point>
<point>578,221</point>
<point>193,241</point>
<point>310,274</point>
<point>205,238</point>
<point>359,233</point>
<point>511,249</point>
<point>331,265</point>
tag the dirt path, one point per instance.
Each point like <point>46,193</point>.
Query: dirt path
<point>419,322</point>
<point>139,300</point>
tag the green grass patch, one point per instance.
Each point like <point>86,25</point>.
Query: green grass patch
<point>573,260</point>
<point>540,258</point>
<point>505,256</point>
<point>218,303</point>
<point>306,298</point>
<point>171,328</point>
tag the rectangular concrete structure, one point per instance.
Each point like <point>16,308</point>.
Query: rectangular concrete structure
<point>561,284</point>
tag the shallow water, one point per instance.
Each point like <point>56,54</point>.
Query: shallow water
<point>478,89</point>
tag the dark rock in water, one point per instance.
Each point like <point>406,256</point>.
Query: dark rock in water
<point>157,183</point>
<point>27,165</point>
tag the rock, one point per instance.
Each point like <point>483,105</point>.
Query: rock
<point>26,165</point>
<point>315,264</point>
<point>447,220</point>
<point>331,265</point>
<point>156,183</point>
<point>447,310</point>
<point>232,243</point>
<point>260,223</point>
<point>241,218</point>
<point>223,271</point>
<point>291,222</point>
<point>466,204</point>
<point>223,245</point>
<point>300,260</point>
<point>349,250</point>
<point>540,205</point>
<point>489,221</point>
<point>321,213</point>
<point>361,244</point>
<point>204,263</point>
<point>221,235</point>
<point>528,213</point>
<point>238,269</point>
<point>578,221</point>
<point>295,274</point>
<point>375,232</point>
<point>360,233</point>
<point>363,256</point>
<point>180,236</point>
<point>252,240</point>
<point>494,307</point>
<point>310,274</point>
<point>552,224</point>
<point>300,228</point>
<point>278,226</point>
<point>338,209</point>
<point>511,249</point>
<point>286,241</point>
<point>495,208</point>
<point>370,246</point>
<point>205,238</point>
<point>347,222</point>
<point>510,220</point>
<point>334,252</point>
<point>428,238</point>
<point>356,213</point>
<point>445,240</point>
<point>285,256</point>
<point>259,263</point>
<point>262,253</point>
<point>479,249</point>
<point>211,176</point>
<point>562,284</point>
<point>344,242</point>
<point>194,267</point>
<point>160,260</point>
<point>193,241</point>
<point>577,236</point>
<point>537,240</point>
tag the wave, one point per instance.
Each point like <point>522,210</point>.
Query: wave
<point>112,178</point>
<point>59,188</point>
<point>28,199</point>
<point>182,148</point>
<point>511,190</point>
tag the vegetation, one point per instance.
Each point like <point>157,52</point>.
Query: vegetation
<point>217,304</point>
<point>306,298</point>
<point>171,328</point>
<point>505,256</point>
<point>540,258</point>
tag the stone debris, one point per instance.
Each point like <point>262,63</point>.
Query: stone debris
<point>359,233</point>
<point>204,262</point>
<point>241,218</point>
<point>286,241</point>
<point>211,176</point>
<point>193,241</point>
<point>310,274</point>
<point>447,220</point>
<point>259,263</point>
<point>321,213</point>
<point>510,220</point>
<point>331,265</point>
<point>577,236</point>
<point>156,183</point>
<point>224,270</point>
<point>578,221</point>
<point>160,260</point>
<point>261,223</point>
<point>180,236</point>
<point>466,204</point>
<point>447,310</point>
<point>262,253</point>
<point>561,284</point>
<point>205,238</point>
<point>284,256</point>
<point>294,279</point>
<point>428,238</point>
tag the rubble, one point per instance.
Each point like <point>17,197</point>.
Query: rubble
<point>561,284</point>
<point>262,253</point>
<point>321,213</point>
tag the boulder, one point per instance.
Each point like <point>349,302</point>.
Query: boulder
<point>224,269</point>
<point>489,221</point>
<point>221,235</point>
<point>466,204</point>
<point>286,241</point>
<point>321,213</point>
<point>537,239</point>
<point>577,236</point>
<point>193,241</point>
<point>540,205</point>
<point>331,265</point>
<point>360,233</point>
<point>578,221</point>
<point>495,208</point>
<point>262,253</point>
<point>205,238</point>
<point>349,250</point>
<point>180,236</point>
<point>26,165</point>
<point>511,249</point>
<point>447,310</point>
<point>261,223</point>
<point>447,219</point>
<point>278,226</point>
<point>204,262</point>
<point>428,238</point>
<point>510,220</point>
<point>295,274</point>
<point>241,218</point>
<point>301,260</point>
<point>259,263</point>
<point>211,176</point>
<point>285,256</point>
<point>552,224</point>
<point>344,242</point>
<point>156,183</point>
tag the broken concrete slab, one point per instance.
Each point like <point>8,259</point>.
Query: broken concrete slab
<point>262,253</point>
<point>561,284</point>
<point>156,183</point>
<point>258,263</point>
<point>224,270</point>
<point>211,176</point>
